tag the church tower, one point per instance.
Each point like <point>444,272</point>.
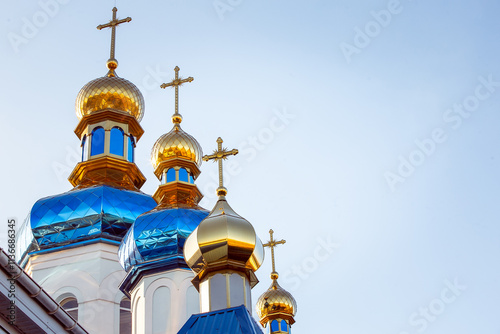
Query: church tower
<point>224,251</point>
<point>276,307</point>
<point>158,280</point>
<point>69,242</point>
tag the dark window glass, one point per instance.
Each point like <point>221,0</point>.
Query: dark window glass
<point>170,175</point>
<point>97,141</point>
<point>183,175</point>
<point>83,147</point>
<point>116,142</point>
<point>125,317</point>
<point>130,149</point>
<point>70,305</point>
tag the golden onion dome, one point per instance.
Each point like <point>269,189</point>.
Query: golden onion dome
<point>110,92</point>
<point>223,237</point>
<point>276,300</point>
<point>176,144</point>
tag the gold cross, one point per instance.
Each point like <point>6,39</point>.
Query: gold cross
<point>219,155</point>
<point>177,118</point>
<point>272,244</point>
<point>112,24</point>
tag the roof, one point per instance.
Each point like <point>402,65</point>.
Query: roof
<point>34,310</point>
<point>235,320</point>
<point>159,234</point>
<point>81,214</point>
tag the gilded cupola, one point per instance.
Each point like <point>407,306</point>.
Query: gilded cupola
<point>110,92</point>
<point>224,239</point>
<point>176,159</point>
<point>276,304</point>
<point>224,251</point>
<point>109,109</point>
<point>176,144</point>
<point>276,307</point>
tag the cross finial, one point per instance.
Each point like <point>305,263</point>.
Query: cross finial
<point>112,62</point>
<point>176,82</point>
<point>272,244</point>
<point>219,155</point>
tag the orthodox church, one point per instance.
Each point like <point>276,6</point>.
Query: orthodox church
<point>112,259</point>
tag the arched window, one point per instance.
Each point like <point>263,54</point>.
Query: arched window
<point>84,156</point>
<point>131,145</point>
<point>162,309</point>
<point>170,175</point>
<point>125,317</point>
<point>70,305</point>
<point>97,142</point>
<point>284,326</point>
<point>183,175</point>
<point>116,141</point>
<point>191,179</point>
<point>274,326</point>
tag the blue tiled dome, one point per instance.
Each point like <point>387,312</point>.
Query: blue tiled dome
<point>78,215</point>
<point>158,235</point>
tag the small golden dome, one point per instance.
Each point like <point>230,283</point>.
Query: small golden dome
<point>223,237</point>
<point>276,300</point>
<point>176,144</point>
<point>110,92</point>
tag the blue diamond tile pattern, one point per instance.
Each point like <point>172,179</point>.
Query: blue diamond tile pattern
<point>159,234</point>
<point>234,320</point>
<point>83,214</point>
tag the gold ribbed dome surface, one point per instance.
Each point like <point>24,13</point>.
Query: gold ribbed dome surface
<point>223,236</point>
<point>278,301</point>
<point>176,144</point>
<point>110,92</point>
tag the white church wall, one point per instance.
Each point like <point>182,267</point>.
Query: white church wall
<point>91,274</point>
<point>162,302</point>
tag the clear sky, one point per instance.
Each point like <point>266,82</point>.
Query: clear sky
<point>369,138</point>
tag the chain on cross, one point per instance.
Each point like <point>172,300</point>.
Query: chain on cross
<point>219,155</point>
<point>176,83</point>
<point>272,244</point>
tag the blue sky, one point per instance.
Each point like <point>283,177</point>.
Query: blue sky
<point>379,165</point>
